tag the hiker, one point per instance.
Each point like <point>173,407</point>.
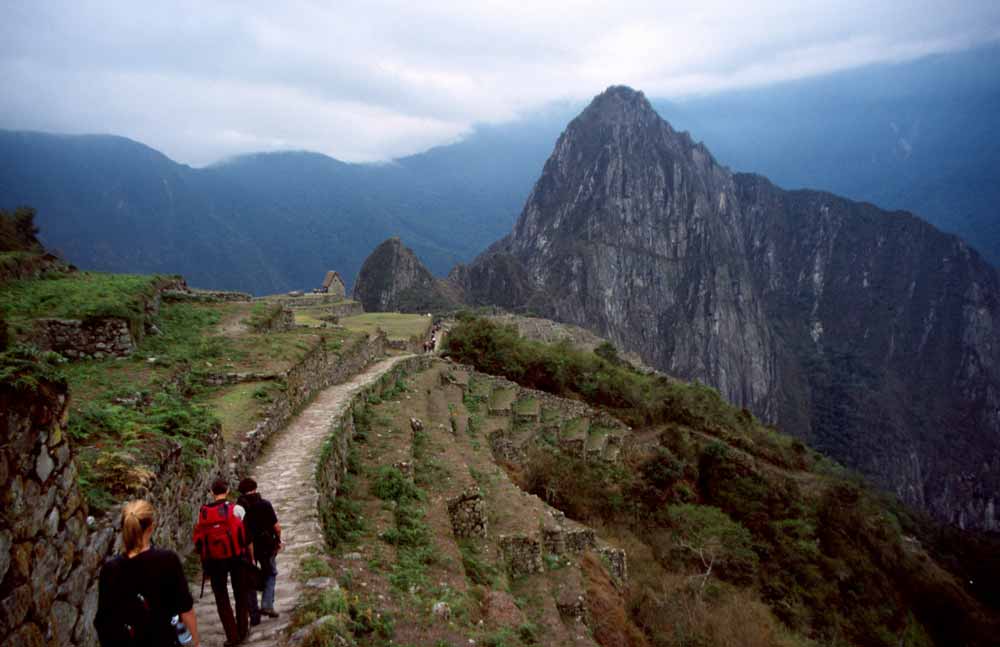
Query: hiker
<point>221,541</point>
<point>143,596</point>
<point>264,532</point>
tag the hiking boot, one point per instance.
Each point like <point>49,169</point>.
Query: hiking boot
<point>270,613</point>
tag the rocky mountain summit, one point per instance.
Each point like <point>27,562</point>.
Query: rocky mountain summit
<point>867,333</point>
<point>392,278</point>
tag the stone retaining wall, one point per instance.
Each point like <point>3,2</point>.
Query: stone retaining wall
<point>467,512</point>
<point>566,407</point>
<point>51,551</point>
<point>280,319</point>
<point>89,339</point>
<point>99,337</point>
<point>522,554</point>
<point>318,369</point>
<point>195,295</point>
<point>332,466</point>
<point>308,301</point>
<point>346,309</point>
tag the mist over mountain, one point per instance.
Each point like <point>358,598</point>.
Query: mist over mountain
<point>871,334</point>
<point>915,136</point>
<point>269,222</point>
<point>918,136</point>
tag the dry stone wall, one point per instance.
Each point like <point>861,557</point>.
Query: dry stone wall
<point>522,554</point>
<point>346,309</point>
<point>332,466</point>
<point>89,339</point>
<point>185,294</point>
<point>468,513</point>
<point>319,369</point>
<point>43,523</point>
<point>100,337</point>
<point>51,549</point>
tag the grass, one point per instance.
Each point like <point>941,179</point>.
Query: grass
<point>526,407</point>
<point>502,398</point>
<point>78,295</point>
<point>238,407</point>
<point>399,327</point>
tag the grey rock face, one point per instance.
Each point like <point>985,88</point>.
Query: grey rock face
<point>869,334</point>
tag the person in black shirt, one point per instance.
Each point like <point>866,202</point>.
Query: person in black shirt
<point>140,591</point>
<point>264,531</point>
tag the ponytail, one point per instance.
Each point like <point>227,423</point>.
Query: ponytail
<point>137,517</point>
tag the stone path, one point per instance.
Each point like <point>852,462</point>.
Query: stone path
<point>286,477</point>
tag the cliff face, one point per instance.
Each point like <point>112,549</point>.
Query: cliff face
<point>392,278</point>
<point>867,333</point>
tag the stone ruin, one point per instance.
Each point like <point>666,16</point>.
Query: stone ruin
<point>86,339</point>
<point>503,447</point>
<point>332,285</point>
<point>523,554</point>
<point>616,560</point>
<point>468,513</point>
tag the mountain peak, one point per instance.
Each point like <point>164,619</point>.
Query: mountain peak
<point>620,104</point>
<point>393,279</point>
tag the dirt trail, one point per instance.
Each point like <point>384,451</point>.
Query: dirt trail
<point>286,474</point>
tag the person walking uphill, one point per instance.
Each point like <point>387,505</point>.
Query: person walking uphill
<point>264,533</point>
<point>143,597</point>
<point>221,540</point>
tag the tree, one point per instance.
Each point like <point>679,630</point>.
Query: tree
<point>716,540</point>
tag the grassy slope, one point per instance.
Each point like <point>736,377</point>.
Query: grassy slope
<point>786,526</point>
<point>126,413</point>
<point>76,295</point>
<point>397,326</point>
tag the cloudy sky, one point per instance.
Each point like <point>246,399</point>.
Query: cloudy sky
<point>373,80</point>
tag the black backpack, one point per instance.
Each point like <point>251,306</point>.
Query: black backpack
<point>130,621</point>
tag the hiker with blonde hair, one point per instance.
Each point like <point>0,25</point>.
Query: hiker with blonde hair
<point>143,596</point>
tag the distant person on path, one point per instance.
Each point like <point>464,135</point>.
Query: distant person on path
<point>264,532</point>
<point>141,591</point>
<point>221,540</point>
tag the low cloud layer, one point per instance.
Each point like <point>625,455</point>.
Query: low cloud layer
<point>374,80</point>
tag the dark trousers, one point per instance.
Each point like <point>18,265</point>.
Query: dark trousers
<point>219,571</point>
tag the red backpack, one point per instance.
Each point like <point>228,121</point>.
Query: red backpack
<point>218,533</point>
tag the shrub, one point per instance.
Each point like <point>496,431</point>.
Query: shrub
<point>713,542</point>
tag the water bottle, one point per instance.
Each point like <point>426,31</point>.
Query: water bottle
<point>183,635</point>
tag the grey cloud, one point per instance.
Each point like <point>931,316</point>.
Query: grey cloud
<point>374,80</point>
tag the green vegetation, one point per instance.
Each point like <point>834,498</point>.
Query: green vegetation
<point>411,535</point>
<point>739,535</point>
<point>18,231</point>
<point>262,314</point>
<point>637,399</point>
<point>397,326</point>
<point>25,368</point>
<point>79,295</point>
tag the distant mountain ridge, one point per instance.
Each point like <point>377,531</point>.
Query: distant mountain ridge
<point>917,135</point>
<point>263,223</point>
<point>870,334</point>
